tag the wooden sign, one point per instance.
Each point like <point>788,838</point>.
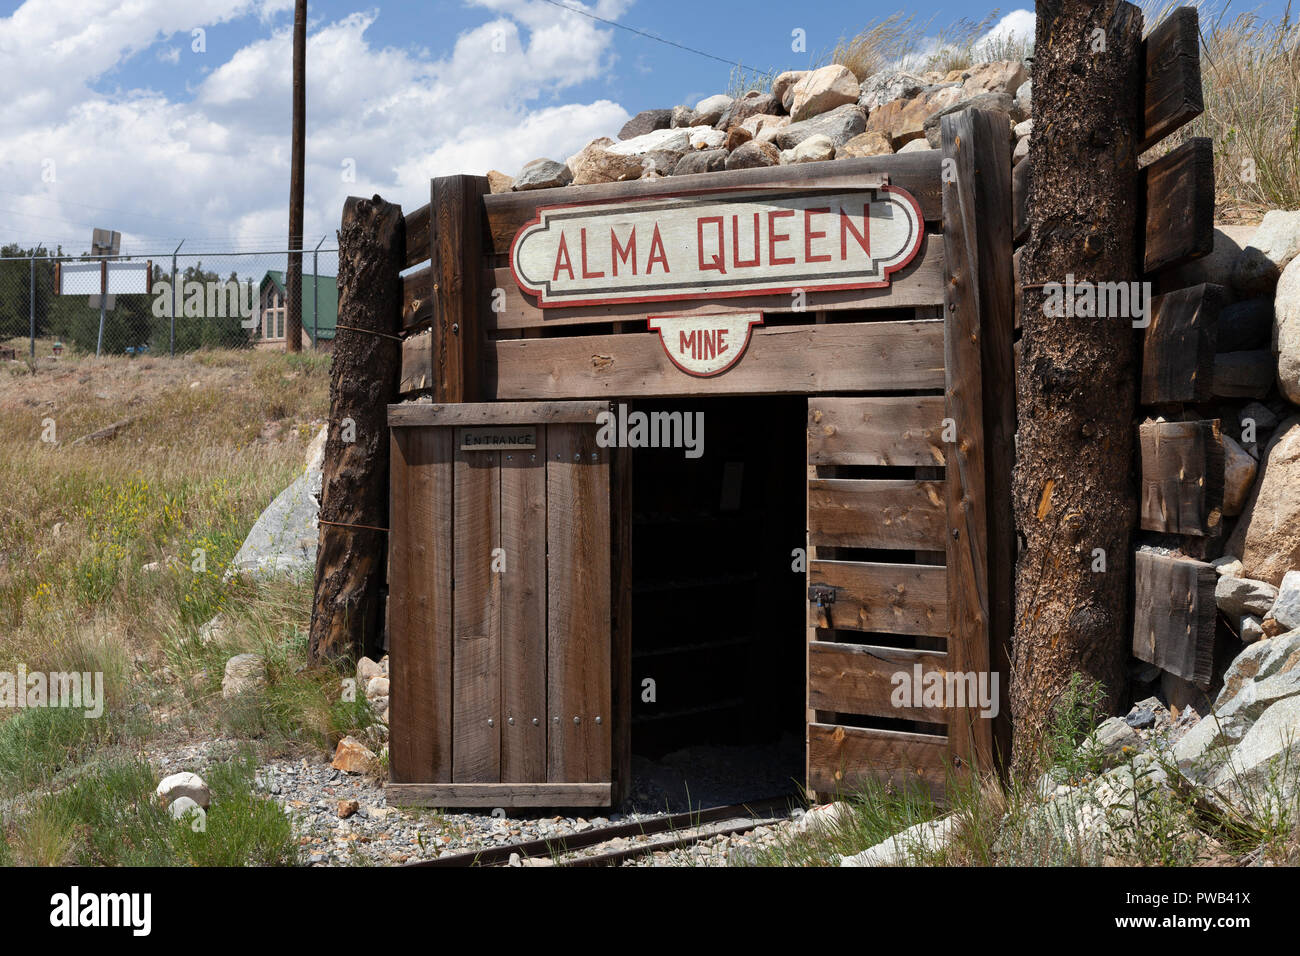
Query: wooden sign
<point>705,345</point>
<point>712,245</point>
<point>498,439</point>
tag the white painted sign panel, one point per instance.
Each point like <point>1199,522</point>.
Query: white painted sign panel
<point>705,345</point>
<point>712,245</point>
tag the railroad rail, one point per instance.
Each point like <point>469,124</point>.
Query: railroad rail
<point>682,829</point>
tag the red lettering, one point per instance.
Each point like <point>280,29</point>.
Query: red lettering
<point>585,273</point>
<point>718,261</point>
<point>863,237</point>
<point>562,260</point>
<point>619,252</point>
<point>722,341</point>
<point>686,341</point>
<point>809,235</point>
<point>657,253</point>
<point>773,237</point>
<point>735,245</point>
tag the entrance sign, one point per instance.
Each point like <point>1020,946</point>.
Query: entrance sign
<point>494,439</point>
<point>705,345</point>
<point>713,245</point>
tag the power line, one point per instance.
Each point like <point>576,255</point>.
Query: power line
<point>643,33</point>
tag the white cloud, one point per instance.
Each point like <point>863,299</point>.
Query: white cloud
<point>217,162</point>
<point>1017,25</point>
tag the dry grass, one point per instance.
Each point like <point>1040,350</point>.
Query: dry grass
<point>899,41</point>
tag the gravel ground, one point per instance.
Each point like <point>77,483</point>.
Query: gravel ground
<point>373,833</point>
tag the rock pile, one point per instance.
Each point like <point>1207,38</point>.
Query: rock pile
<point>807,116</point>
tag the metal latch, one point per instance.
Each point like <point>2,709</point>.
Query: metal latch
<point>821,594</point>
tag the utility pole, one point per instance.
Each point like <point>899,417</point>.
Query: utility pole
<point>293,278</point>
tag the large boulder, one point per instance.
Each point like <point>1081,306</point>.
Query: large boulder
<point>543,174</point>
<point>999,76</point>
<point>184,784</point>
<point>912,844</point>
<point>1275,244</point>
<point>244,673</point>
<point>671,140</point>
<point>814,149</point>
<point>1286,332</point>
<point>647,121</point>
<point>822,90</point>
<point>752,155</point>
<point>903,120</point>
<point>1286,609</point>
<point>597,163</point>
<point>282,542</point>
<point>866,144</point>
<point>784,84</point>
<point>753,103</point>
<point>840,125</point>
<point>994,101</point>
<point>887,86</point>
<point>1237,596</point>
<point>701,161</point>
<point>1261,775</point>
<point>710,109</point>
<point>1267,537</point>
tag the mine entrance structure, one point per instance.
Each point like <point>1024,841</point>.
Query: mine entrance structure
<point>874,298</point>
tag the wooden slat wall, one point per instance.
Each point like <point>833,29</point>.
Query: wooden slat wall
<point>523,612</point>
<point>903,430</point>
<point>578,606</point>
<point>842,758</point>
<point>800,360</point>
<point>877,513</point>
<point>860,679</point>
<point>419,605</point>
<point>476,735</point>
<point>885,598</point>
<point>1174,615</point>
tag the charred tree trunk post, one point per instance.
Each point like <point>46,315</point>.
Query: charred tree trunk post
<point>347,612</point>
<point>1074,491</point>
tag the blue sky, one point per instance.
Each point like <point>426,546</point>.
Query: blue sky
<point>113,118</point>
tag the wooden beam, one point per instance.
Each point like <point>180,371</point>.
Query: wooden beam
<point>456,241</point>
<point>1179,191</point>
<point>1248,374</point>
<point>860,679</point>
<point>417,363</point>
<point>417,244</point>
<point>1178,346</point>
<point>881,598</point>
<point>417,297</point>
<point>874,513</point>
<point>791,359</point>
<point>498,794</point>
<point>1171,58</point>
<point>980,394</point>
<point>882,430</point>
<point>1182,477</point>
<point>494,413</point>
<point>842,759</point>
<point>1174,615</point>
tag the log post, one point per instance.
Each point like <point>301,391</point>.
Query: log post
<point>347,613</point>
<point>1074,490</point>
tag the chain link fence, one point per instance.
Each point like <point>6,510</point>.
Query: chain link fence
<point>50,303</point>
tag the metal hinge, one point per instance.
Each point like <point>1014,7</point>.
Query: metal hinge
<point>821,594</point>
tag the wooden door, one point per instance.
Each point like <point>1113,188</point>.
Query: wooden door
<point>500,608</point>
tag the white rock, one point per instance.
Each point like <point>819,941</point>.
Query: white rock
<point>672,140</point>
<point>1276,242</point>
<point>916,146</point>
<point>1229,566</point>
<point>1286,331</point>
<point>182,807</point>
<point>706,137</point>
<point>367,669</point>
<point>1237,596</point>
<point>1023,129</point>
<point>887,86</point>
<point>902,848</point>
<point>823,90</point>
<point>244,672</point>
<point>1250,629</point>
<point>814,149</point>
<point>184,785</point>
<point>1286,609</point>
<point>710,109</point>
<point>1239,468</point>
<point>1021,151</point>
<point>823,815</point>
<point>377,687</point>
<point>1024,96</point>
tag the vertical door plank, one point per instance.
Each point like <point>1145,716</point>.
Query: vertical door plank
<point>419,618</point>
<point>476,746</point>
<point>523,613</point>
<point>980,399</point>
<point>578,606</point>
